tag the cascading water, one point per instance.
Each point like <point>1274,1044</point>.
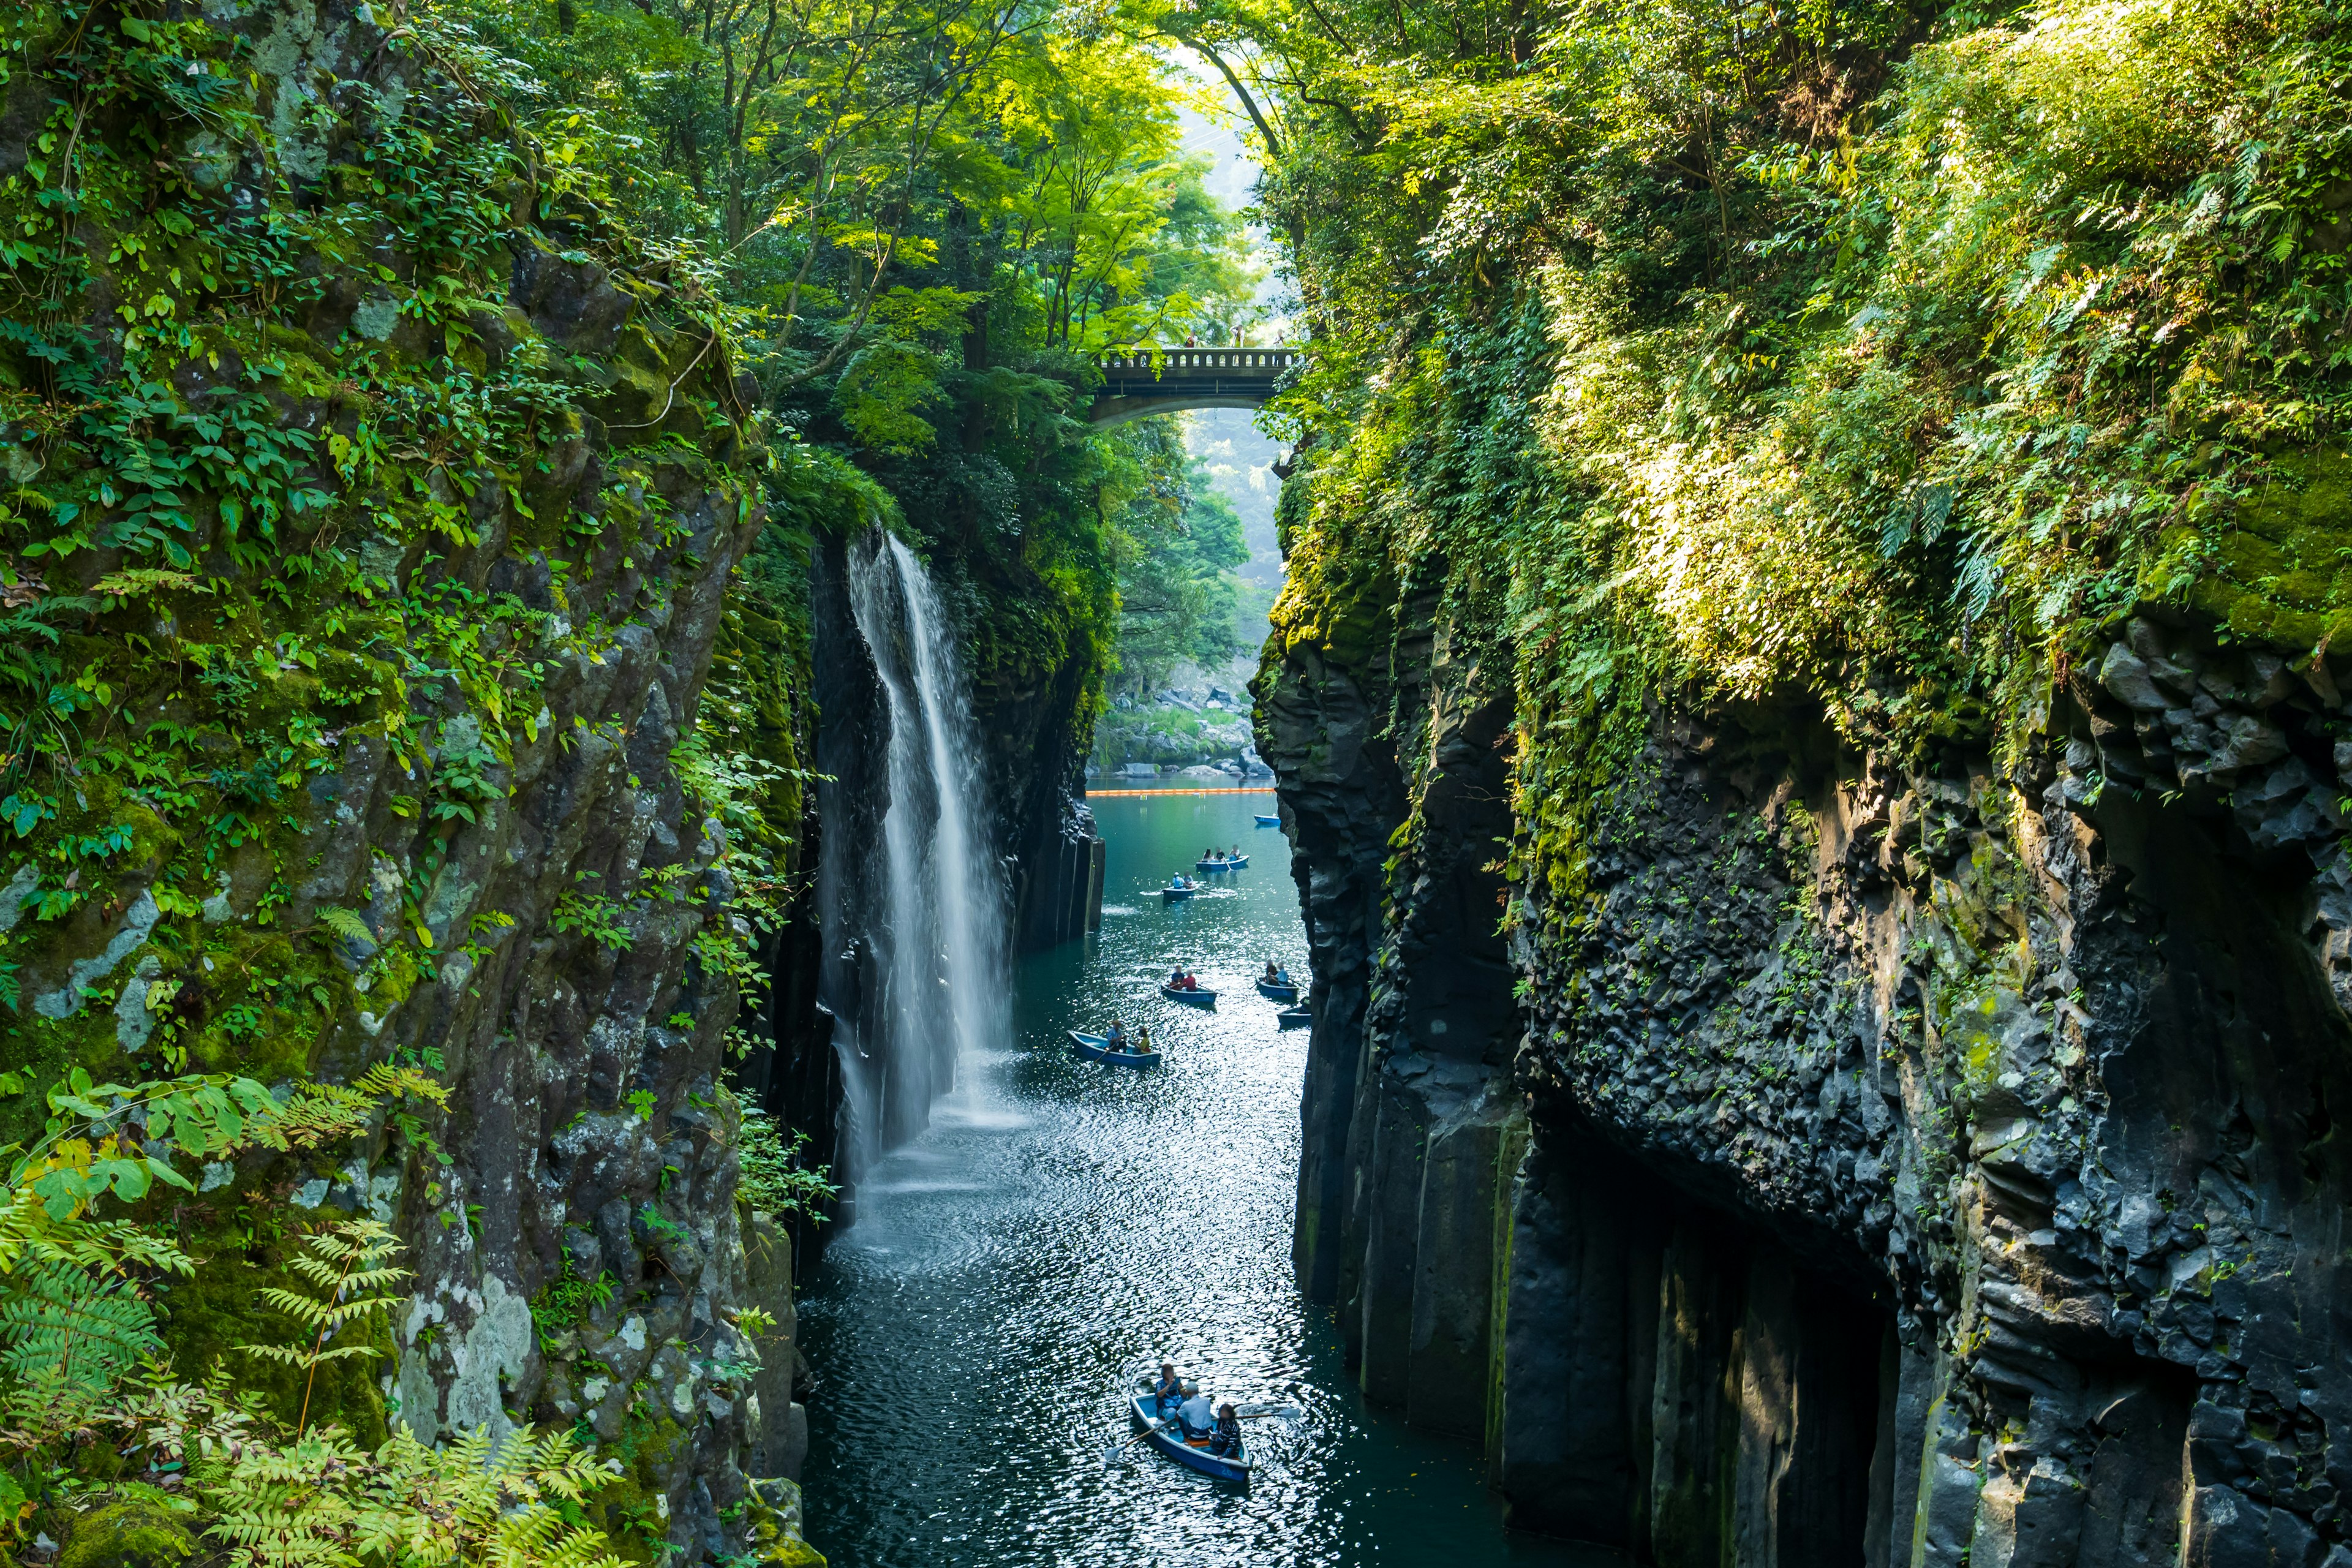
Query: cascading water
<point>929,916</point>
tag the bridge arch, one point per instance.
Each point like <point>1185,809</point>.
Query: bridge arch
<point>1133,386</point>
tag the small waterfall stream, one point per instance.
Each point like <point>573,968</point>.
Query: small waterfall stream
<point>932,905</point>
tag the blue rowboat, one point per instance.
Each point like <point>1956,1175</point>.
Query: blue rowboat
<point>1200,996</point>
<point>1177,895</point>
<point>1268,988</point>
<point>1294,1017</point>
<point>1231,863</point>
<point>1169,1441</point>
<point>1096,1048</point>
<point>1268,821</point>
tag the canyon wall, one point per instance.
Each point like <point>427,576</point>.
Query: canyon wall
<point>395,617</point>
<point>1927,1162</point>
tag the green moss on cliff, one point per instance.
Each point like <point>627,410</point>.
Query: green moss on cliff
<point>1901,411</point>
<point>337,422</point>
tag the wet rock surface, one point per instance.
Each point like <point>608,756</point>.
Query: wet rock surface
<point>1897,1165</point>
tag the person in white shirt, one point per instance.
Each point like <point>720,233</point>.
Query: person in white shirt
<point>1195,1416</point>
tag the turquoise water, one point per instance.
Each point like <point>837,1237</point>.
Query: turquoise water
<point>1065,1224</point>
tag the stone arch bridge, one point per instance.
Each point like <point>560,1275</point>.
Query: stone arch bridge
<point>1186,378</point>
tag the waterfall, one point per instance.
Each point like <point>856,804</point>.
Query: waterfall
<point>931,907</point>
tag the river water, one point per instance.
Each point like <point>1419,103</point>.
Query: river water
<point>1064,1224</point>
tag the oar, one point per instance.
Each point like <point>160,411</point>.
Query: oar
<point>1111,1455</point>
<point>1252,1412</point>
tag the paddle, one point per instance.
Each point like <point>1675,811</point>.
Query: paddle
<point>1111,1455</point>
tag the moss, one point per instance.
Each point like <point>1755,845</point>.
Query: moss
<point>2283,575</point>
<point>127,1535</point>
<point>629,1508</point>
<point>243,1242</point>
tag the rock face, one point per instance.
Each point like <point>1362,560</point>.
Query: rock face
<point>1869,1164</point>
<point>437,814</point>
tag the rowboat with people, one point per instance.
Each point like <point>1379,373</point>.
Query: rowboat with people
<point>1167,1437</point>
<point>1223,863</point>
<point>1098,1048</point>
<point>1274,993</point>
<point>1198,995</point>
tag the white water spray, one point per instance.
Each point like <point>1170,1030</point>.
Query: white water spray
<point>936,903</point>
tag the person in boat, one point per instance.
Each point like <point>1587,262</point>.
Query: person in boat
<point>1116,1035</point>
<point>1142,1044</point>
<point>1194,1417</point>
<point>1270,972</point>
<point>1226,1437</point>
<point>1190,983</point>
<point>1282,975</point>
<point>1169,1392</point>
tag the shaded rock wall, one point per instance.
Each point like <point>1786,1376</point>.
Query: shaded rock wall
<point>1884,1165</point>
<point>469,671</point>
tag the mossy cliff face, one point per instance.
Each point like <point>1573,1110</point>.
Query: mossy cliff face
<point>1928,1164</point>
<point>379,502</point>
<point>1816,747</point>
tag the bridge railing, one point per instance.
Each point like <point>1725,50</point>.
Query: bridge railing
<point>1187,363</point>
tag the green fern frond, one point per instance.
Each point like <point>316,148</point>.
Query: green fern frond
<point>345,924</point>
<point>68,1336</point>
<point>333,1260</point>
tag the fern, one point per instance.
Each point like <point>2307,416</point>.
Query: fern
<point>69,1335</point>
<point>342,1263</point>
<point>481,1500</point>
<point>347,926</point>
<point>95,1146</point>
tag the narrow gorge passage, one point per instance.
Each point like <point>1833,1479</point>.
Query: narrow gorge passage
<point>1061,1223</point>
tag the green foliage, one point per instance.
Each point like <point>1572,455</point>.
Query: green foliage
<point>68,1338</point>
<point>1176,541</point>
<point>563,1304</point>
<point>1887,356</point>
<point>773,1177</point>
<point>341,1264</point>
<point>594,916</point>
<point>508,1503</point>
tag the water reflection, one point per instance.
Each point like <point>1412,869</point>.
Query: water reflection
<point>1064,1224</point>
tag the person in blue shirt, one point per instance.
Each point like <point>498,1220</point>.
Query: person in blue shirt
<point>1168,1392</point>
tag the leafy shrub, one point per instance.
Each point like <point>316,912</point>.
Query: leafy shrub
<point>773,1178</point>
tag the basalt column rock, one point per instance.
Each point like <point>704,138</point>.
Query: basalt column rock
<point>1916,1165</point>
<point>1410,1130</point>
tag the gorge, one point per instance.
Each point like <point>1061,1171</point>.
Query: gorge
<point>559,574</point>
